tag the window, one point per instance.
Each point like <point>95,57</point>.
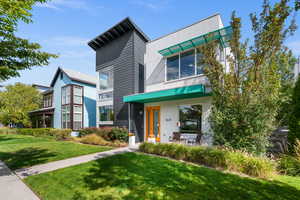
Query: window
<point>66,120</point>
<point>66,95</point>
<point>173,68</point>
<point>190,118</point>
<point>106,79</point>
<point>77,95</point>
<point>106,96</point>
<point>187,64</point>
<point>47,100</point>
<point>72,108</point>
<point>77,117</point>
<point>106,113</point>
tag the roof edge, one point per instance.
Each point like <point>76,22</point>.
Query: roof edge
<point>216,14</point>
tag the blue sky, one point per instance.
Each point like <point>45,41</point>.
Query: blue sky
<point>65,26</point>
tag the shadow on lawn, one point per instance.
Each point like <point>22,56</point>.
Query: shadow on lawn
<point>25,157</point>
<point>132,176</point>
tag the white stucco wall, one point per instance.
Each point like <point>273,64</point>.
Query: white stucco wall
<point>155,62</point>
<point>169,116</point>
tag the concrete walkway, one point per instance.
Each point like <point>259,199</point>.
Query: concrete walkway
<point>38,169</point>
<point>12,188</point>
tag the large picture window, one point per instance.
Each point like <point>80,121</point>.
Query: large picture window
<point>187,64</point>
<point>173,68</point>
<point>190,118</point>
<point>106,79</point>
<point>106,113</point>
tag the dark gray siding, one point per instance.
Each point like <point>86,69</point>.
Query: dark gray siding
<point>126,55</point>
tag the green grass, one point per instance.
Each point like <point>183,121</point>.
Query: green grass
<point>134,176</point>
<point>19,151</point>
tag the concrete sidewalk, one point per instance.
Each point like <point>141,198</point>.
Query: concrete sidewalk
<point>12,188</point>
<point>38,169</point>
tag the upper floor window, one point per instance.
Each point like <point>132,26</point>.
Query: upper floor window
<point>77,95</point>
<point>186,64</point>
<point>47,100</point>
<point>106,96</point>
<point>65,95</point>
<point>106,78</point>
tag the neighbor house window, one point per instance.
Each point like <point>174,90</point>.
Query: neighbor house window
<point>106,79</point>
<point>190,118</point>
<point>72,107</point>
<point>66,119</point>
<point>77,117</point>
<point>77,95</point>
<point>47,100</point>
<point>106,113</point>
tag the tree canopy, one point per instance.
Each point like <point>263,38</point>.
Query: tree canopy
<point>15,103</point>
<point>17,53</point>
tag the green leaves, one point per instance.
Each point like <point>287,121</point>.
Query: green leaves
<point>246,97</point>
<point>17,100</point>
<point>17,53</point>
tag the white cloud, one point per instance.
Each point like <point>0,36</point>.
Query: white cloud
<point>151,4</point>
<point>67,41</point>
<point>295,46</point>
<point>58,4</point>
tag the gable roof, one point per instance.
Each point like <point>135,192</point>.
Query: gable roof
<point>75,76</point>
<point>115,32</point>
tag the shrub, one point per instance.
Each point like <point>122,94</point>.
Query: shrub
<point>59,134</point>
<point>214,157</point>
<point>289,165</point>
<point>93,139</point>
<point>8,131</point>
<point>98,140</point>
<point>107,133</point>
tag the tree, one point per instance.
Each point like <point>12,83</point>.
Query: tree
<point>286,62</point>
<point>245,94</point>
<point>294,121</point>
<point>16,101</point>
<point>17,53</point>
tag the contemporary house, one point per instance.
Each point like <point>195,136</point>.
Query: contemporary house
<point>69,102</point>
<point>157,88</point>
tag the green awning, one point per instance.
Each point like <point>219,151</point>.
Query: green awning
<point>167,95</point>
<point>223,34</point>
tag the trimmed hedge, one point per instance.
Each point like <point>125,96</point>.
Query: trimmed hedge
<point>214,157</point>
<point>107,133</point>
<point>58,134</point>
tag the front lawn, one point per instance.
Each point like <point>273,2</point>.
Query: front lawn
<point>136,176</point>
<point>19,151</point>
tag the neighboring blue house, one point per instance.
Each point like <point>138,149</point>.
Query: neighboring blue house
<point>69,102</point>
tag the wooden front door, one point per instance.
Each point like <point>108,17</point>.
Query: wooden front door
<point>153,123</point>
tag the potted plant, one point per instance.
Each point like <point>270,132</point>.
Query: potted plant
<point>131,139</point>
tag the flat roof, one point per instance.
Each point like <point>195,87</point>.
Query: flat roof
<point>115,32</point>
